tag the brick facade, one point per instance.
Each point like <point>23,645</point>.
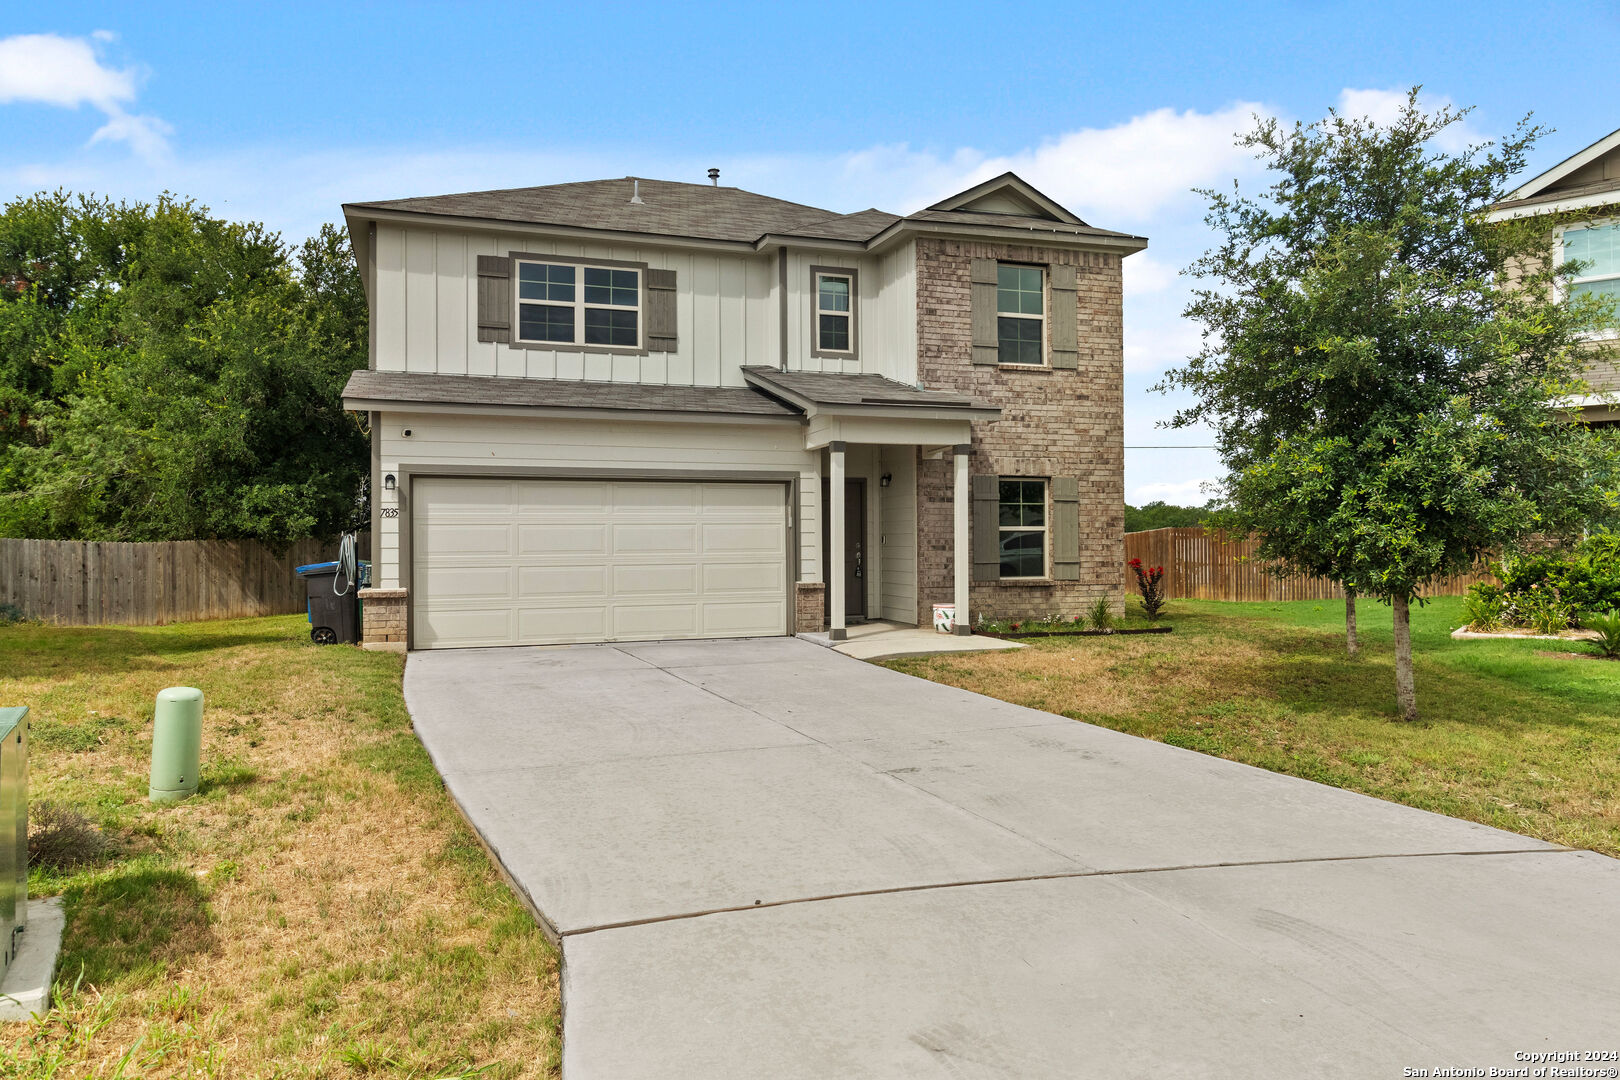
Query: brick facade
<point>1053,423</point>
<point>810,607</point>
<point>382,617</point>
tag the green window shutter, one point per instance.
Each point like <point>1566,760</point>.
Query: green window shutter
<point>494,298</point>
<point>1064,328</point>
<point>986,346</point>
<point>985,535</point>
<point>1065,528</point>
<point>661,332</point>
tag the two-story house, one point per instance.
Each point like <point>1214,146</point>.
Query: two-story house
<point>638,409</point>
<point>1580,198</point>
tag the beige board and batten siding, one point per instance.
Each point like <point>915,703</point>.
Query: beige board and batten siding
<point>474,443</point>
<point>425,302</point>
<point>426,310</point>
<point>500,561</point>
<point>885,313</point>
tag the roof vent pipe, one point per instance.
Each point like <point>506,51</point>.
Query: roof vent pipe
<point>714,177</point>
<point>635,192</point>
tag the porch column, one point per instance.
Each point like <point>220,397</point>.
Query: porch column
<point>962,555</point>
<point>834,570</point>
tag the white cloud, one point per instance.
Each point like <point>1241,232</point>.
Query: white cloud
<point>1145,274</point>
<point>1383,107</point>
<point>1174,492</point>
<point>49,69</point>
<point>1133,170</point>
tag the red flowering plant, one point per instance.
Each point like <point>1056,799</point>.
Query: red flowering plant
<point>1150,583</point>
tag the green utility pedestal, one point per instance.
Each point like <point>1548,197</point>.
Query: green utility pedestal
<point>176,743</point>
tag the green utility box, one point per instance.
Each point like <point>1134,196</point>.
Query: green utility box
<point>13,832</point>
<point>176,743</point>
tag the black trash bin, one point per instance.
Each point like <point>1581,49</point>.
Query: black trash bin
<point>333,616</point>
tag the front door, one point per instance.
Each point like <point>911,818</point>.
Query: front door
<point>854,545</point>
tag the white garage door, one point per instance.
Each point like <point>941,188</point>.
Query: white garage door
<point>543,562</point>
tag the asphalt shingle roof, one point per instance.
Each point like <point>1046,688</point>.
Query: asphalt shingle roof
<point>668,208</point>
<point>696,211</point>
<point>829,388</point>
<point>408,387</point>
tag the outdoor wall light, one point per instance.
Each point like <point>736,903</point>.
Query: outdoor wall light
<point>886,479</point>
<point>388,482</point>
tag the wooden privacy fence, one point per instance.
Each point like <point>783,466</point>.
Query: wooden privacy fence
<point>1207,566</point>
<point>87,583</point>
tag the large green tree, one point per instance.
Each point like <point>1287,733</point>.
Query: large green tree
<point>1383,368</point>
<point>166,374</point>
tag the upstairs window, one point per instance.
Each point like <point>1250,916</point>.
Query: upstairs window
<point>1023,528</point>
<point>1598,248</point>
<point>834,321</point>
<point>571,304</point>
<point>1021,314</point>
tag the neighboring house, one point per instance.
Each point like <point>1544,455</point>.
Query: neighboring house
<point>636,409</point>
<point>1580,196</point>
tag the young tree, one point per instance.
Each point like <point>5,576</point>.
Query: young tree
<point>1383,368</point>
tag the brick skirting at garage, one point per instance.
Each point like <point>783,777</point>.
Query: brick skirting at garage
<point>810,607</point>
<point>382,616</point>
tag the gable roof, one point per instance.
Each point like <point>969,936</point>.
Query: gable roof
<point>706,212</point>
<point>1581,180</point>
<point>1008,194</point>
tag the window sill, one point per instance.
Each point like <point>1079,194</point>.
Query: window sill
<point>564,347</point>
<point>1025,367</point>
<point>1025,581</point>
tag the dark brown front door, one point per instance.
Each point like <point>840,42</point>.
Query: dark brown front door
<point>854,545</point>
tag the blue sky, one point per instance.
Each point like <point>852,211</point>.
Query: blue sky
<point>282,112</point>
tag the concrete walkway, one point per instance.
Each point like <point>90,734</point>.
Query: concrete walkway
<point>764,859</point>
<point>880,640</point>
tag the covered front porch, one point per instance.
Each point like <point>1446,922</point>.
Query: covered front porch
<point>864,513</point>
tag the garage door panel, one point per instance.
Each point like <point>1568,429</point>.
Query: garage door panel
<point>462,583</point>
<point>656,498</point>
<point>553,497</point>
<point>581,538</point>
<point>763,538</point>
<point>738,620</point>
<point>759,577</point>
<point>748,499</point>
<point>540,582</point>
<point>676,579</point>
<point>459,539</point>
<point>631,621</point>
<point>463,626</point>
<point>513,562</point>
<point>650,538</point>
<point>561,624</point>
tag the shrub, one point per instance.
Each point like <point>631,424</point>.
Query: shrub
<point>1484,612</point>
<point>11,613</point>
<point>60,837</point>
<point>1545,610</point>
<point>1150,583</point>
<point>1608,631</point>
<point>1101,615</point>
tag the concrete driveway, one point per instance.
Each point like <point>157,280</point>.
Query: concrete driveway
<point>764,859</point>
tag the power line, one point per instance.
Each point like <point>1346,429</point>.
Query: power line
<point>1167,447</point>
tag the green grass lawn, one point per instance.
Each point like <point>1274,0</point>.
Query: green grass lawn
<point>319,909</point>
<point>1522,735</point>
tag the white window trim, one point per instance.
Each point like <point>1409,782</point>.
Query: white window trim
<point>1046,303</point>
<point>579,305</point>
<point>1045,529</point>
<point>1562,288</point>
<point>849,274</point>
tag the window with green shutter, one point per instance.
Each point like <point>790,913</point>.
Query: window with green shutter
<point>1021,314</point>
